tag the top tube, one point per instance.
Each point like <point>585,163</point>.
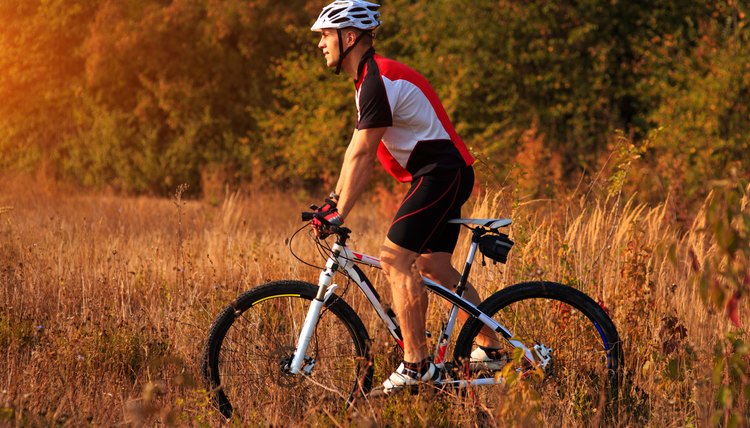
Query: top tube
<point>364,258</point>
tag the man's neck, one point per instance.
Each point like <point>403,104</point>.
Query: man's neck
<point>351,62</point>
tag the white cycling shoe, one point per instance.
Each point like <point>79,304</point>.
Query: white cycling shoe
<point>404,377</point>
<point>479,359</point>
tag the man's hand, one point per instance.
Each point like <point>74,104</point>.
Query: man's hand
<point>330,216</point>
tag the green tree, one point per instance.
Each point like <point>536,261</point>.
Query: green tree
<point>42,76</point>
<point>703,116</point>
<point>178,82</point>
<point>141,95</point>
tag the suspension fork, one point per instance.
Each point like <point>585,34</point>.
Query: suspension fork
<point>325,290</point>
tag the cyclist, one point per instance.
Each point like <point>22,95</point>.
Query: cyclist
<point>401,121</point>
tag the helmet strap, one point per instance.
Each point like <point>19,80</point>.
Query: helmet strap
<point>343,53</point>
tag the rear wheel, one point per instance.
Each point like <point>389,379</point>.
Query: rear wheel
<point>582,375</point>
<point>253,340</point>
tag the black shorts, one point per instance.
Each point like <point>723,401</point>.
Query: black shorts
<point>420,224</point>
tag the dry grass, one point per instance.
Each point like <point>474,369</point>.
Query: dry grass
<point>105,303</point>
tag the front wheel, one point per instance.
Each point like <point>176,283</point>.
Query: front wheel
<point>252,342</point>
<point>580,378</point>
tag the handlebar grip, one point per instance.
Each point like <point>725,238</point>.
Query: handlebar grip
<point>307,216</point>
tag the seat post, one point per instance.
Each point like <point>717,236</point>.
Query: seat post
<point>476,234</point>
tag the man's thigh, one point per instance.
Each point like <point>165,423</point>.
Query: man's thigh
<point>420,224</point>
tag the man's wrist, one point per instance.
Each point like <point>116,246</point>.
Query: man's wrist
<point>333,197</point>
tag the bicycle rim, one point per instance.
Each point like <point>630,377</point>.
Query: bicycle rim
<point>253,340</point>
<point>580,383</point>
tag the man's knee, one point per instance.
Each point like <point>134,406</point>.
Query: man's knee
<point>397,261</point>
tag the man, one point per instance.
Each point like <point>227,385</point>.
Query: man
<point>401,121</point>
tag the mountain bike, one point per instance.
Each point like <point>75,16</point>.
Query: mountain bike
<point>302,345</point>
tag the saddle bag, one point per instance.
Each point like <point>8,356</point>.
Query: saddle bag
<point>496,247</point>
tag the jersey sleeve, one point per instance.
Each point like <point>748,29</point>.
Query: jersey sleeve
<point>374,108</point>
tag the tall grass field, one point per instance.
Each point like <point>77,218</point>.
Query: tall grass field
<point>106,301</point>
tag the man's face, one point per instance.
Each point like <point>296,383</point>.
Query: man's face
<point>329,44</point>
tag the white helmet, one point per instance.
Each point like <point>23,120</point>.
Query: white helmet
<point>348,13</point>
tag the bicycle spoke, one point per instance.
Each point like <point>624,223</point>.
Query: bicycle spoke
<point>258,346</point>
<point>582,347</point>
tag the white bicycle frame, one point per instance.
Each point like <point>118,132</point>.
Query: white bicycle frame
<point>343,258</point>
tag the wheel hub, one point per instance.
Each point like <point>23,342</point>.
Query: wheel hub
<point>285,377</point>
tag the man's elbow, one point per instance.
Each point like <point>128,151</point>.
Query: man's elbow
<point>365,152</point>
<point>364,157</point>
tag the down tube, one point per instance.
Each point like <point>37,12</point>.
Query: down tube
<point>359,277</point>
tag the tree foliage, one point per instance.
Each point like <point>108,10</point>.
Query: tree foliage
<point>42,76</point>
<point>141,95</point>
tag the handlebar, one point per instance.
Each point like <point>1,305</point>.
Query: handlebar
<point>330,228</point>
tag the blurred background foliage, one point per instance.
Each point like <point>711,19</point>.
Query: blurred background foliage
<point>139,96</point>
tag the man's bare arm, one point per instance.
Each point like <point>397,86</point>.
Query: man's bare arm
<point>356,170</point>
<point>343,172</point>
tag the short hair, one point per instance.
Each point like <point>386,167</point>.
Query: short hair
<point>367,38</point>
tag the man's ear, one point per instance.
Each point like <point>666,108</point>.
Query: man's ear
<point>351,37</point>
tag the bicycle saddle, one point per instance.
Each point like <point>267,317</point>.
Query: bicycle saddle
<point>492,223</point>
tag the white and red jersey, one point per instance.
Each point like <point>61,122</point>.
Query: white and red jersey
<point>420,138</point>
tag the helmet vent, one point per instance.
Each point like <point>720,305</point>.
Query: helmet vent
<point>335,12</point>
